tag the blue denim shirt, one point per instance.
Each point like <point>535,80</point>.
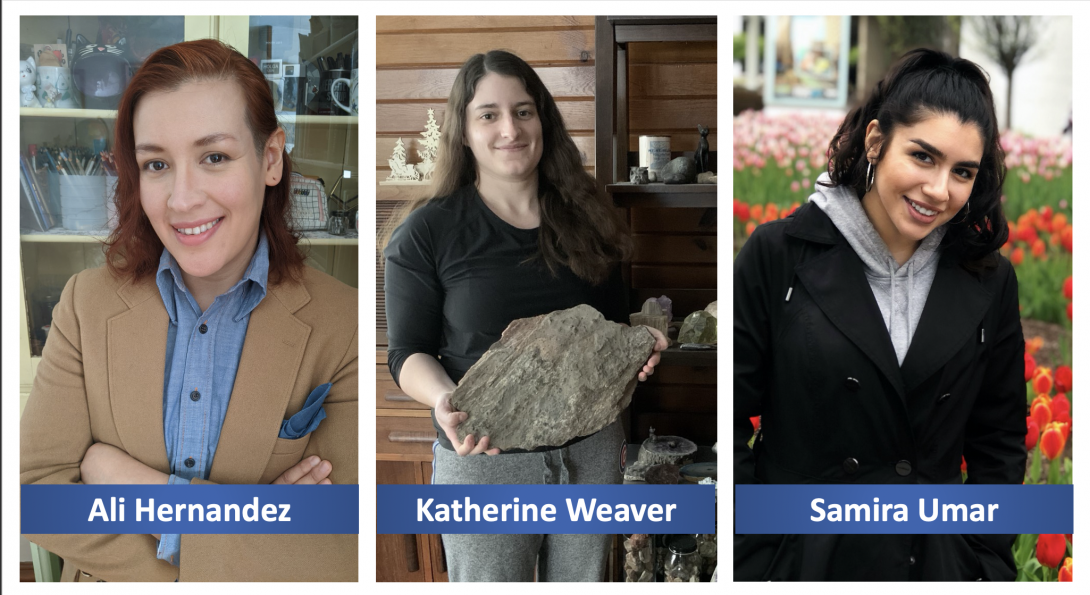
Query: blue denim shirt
<point>202,355</point>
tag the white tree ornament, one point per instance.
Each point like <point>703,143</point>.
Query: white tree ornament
<point>399,170</point>
<point>407,174</point>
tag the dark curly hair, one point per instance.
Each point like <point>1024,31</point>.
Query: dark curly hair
<point>920,85</point>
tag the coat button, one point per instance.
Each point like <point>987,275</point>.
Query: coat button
<point>195,395</point>
<point>851,384</point>
<point>190,462</point>
<point>944,398</point>
<point>911,560</point>
<point>904,468</point>
<point>850,465</point>
<point>203,328</point>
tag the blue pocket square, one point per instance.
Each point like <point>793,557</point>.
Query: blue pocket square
<point>309,416</point>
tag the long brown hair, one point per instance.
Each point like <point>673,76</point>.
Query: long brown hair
<point>579,229</point>
<point>133,248</point>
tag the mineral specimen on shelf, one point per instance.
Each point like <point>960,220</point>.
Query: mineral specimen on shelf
<point>698,327</point>
<point>638,560</point>
<point>552,378</point>
<point>713,309</point>
<point>667,306</point>
<point>666,449</point>
<point>651,315</point>
<point>663,474</point>
<point>682,170</point>
<point>707,177</point>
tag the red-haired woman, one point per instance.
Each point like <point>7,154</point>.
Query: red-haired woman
<point>204,351</point>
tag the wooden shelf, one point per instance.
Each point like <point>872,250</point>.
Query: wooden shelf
<point>663,195</point>
<point>675,356</point>
<point>59,235</point>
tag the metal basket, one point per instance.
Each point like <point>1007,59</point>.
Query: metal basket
<point>308,204</point>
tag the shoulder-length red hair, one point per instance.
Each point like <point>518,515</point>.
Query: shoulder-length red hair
<point>133,248</point>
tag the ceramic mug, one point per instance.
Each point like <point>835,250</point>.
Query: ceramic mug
<point>353,106</point>
<point>55,87</point>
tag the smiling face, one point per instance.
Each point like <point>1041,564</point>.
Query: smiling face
<point>503,129</point>
<point>202,182</point>
<point>923,179</point>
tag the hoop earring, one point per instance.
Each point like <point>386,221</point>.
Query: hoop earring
<point>964,217</point>
<point>870,176</point>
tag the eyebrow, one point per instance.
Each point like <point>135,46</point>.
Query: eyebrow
<point>934,150</point>
<point>494,105</point>
<point>200,142</point>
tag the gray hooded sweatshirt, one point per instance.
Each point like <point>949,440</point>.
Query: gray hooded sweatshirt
<point>901,291</point>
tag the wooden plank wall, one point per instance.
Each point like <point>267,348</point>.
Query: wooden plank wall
<point>672,88</point>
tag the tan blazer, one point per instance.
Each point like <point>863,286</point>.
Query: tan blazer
<point>101,380</point>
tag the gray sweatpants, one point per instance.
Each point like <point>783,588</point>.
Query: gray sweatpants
<point>513,557</point>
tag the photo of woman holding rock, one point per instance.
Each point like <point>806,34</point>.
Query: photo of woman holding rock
<point>512,228</point>
<point>877,332</point>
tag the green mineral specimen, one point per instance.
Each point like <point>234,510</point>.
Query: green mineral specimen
<point>699,327</point>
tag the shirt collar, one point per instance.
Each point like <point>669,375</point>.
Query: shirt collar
<point>254,281</point>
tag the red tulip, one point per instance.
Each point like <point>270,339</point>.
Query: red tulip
<point>1042,381</point>
<point>1050,549</point>
<point>750,227</point>
<point>756,421</point>
<point>1062,378</point>
<point>1034,345</point>
<point>1038,248</point>
<point>1067,238</point>
<point>1031,365</point>
<point>1067,287</point>
<point>1065,571</point>
<point>1033,432</point>
<point>756,212</point>
<point>1017,256</point>
<point>1040,412</point>
<point>964,466</point>
<point>1059,404</point>
<point>1053,441</point>
<point>1069,316</point>
<point>741,210</point>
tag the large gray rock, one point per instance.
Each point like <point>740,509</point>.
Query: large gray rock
<point>682,170</point>
<point>552,378</point>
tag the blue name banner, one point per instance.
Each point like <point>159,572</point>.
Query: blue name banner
<point>915,509</point>
<point>569,509</point>
<point>207,509</point>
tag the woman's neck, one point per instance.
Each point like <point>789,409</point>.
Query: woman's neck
<point>205,290</point>
<point>514,201</point>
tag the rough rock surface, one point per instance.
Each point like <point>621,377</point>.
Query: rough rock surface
<point>682,170</point>
<point>552,378</point>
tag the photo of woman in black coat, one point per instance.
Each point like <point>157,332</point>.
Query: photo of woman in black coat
<point>876,330</point>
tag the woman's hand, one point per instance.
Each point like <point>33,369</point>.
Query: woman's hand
<point>310,471</point>
<point>449,420</point>
<point>105,464</point>
<point>660,343</point>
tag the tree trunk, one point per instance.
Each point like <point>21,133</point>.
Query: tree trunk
<point>1010,89</point>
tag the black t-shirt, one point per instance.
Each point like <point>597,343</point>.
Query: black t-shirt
<point>457,275</point>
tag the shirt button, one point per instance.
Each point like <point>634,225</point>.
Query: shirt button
<point>190,462</point>
<point>195,395</point>
<point>944,398</point>
<point>911,560</point>
<point>904,468</point>
<point>850,465</point>
<point>203,328</point>
<point>851,384</point>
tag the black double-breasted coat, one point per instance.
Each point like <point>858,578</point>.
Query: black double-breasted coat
<point>835,406</point>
